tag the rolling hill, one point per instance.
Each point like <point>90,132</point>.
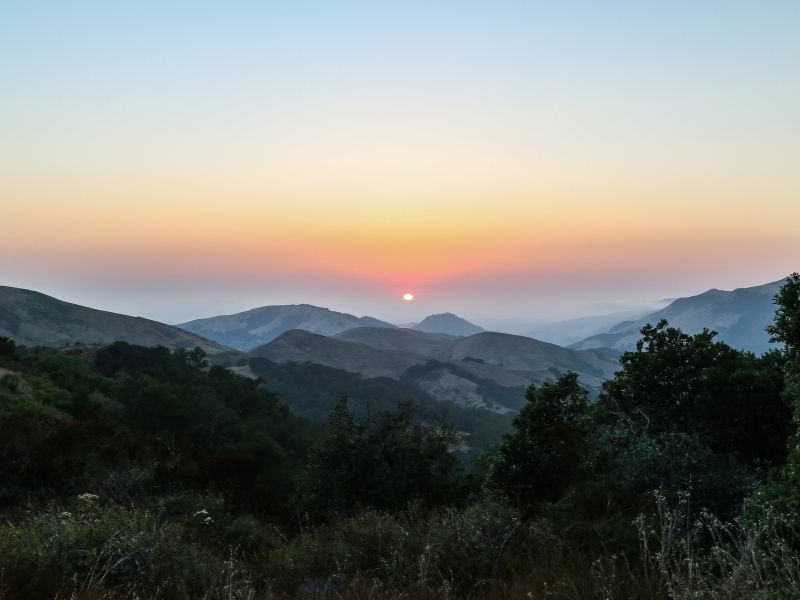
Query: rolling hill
<point>312,390</point>
<point>35,319</point>
<point>465,385</point>
<point>486,370</point>
<point>498,355</point>
<point>252,328</point>
<point>739,316</point>
<point>400,339</point>
<point>303,346</point>
<point>447,323</point>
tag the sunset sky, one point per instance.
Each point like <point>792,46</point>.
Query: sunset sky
<point>523,159</point>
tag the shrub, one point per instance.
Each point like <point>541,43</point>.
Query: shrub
<point>708,558</point>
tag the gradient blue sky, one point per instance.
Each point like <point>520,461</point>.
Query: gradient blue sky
<point>179,159</point>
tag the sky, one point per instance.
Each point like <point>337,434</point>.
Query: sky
<point>497,159</point>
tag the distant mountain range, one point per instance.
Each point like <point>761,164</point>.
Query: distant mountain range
<point>34,319</point>
<point>443,359</point>
<point>449,324</point>
<point>246,330</point>
<point>486,370</point>
<point>739,316</point>
<point>454,371</point>
<point>252,328</point>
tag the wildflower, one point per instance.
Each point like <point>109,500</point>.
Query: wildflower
<point>88,498</point>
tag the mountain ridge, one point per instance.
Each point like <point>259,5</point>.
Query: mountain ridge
<point>32,318</point>
<point>486,370</point>
<point>740,317</point>
<point>249,329</point>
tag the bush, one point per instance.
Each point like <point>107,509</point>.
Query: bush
<point>708,558</point>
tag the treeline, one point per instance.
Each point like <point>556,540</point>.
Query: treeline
<point>130,472</point>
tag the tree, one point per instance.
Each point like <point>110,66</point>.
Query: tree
<point>385,462</point>
<point>7,346</point>
<point>410,460</point>
<point>159,361</point>
<point>782,493</point>
<point>194,359</point>
<point>785,328</point>
<point>539,458</point>
<point>730,399</point>
<point>625,463</point>
<point>331,481</point>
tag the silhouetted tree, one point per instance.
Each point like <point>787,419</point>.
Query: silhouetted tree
<point>539,458</point>
<point>730,399</point>
<point>7,346</point>
<point>385,462</point>
<point>782,493</point>
<point>785,328</point>
<point>195,358</point>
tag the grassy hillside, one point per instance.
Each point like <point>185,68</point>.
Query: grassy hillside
<point>33,319</point>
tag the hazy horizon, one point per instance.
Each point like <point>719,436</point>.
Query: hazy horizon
<point>175,306</point>
<point>498,160</point>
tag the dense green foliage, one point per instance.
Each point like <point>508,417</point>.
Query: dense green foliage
<point>386,463</point>
<point>786,327</point>
<point>782,493</point>
<point>133,421</point>
<point>540,457</point>
<point>142,472</point>
<point>729,399</point>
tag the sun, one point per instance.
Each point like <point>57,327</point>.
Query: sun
<point>408,297</point>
